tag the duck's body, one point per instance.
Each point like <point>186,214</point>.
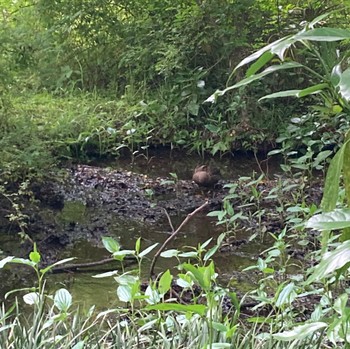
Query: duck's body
<point>205,176</point>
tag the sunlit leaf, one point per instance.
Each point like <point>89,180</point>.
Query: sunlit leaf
<point>152,295</point>
<point>124,293</point>
<point>63,299</point>
<point>6,260</point>
<point>287,295</point>
<point>107,274</point>
<point>337,219</point>
<point>331,261</point>
<point>289,93</point>
<point>170,253</point>
<point>148,250</point>
<point>324,34</point>
<point>344,84</point>
<point>300,332</point>
<point>31,298</point>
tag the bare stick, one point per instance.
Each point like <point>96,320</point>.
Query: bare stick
<point>174,233</point>
<point>74,267</point>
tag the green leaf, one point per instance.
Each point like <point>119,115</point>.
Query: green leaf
<point>287,295</point>
<point>300,332</point>
<point>199,309</point>
<point>331,261</point>
<point>110,244</point>
<point>219,326</point>
<point>336,219</point>
<point>138,245</point>
<point>165,282</point>
<point>63,299</point>
<point>324,34</point>
<point>106,274</point>
<point>34,257</point>
<point>148,250</point>
<point>312,90</point>
<point>124,293</point>
<point>170,253</point>
<point>31,298</point>
<point>264,58</point>
<point>288,93</point>
<point>331,186</point>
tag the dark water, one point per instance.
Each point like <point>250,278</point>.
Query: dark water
<point>102,292</point>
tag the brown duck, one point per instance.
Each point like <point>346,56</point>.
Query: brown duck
<point>205,176</point>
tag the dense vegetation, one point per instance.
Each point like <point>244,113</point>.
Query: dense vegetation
<point>81,79</point>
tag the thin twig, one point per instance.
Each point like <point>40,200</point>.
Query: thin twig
<point>174,233</point>
<point>169,220</point>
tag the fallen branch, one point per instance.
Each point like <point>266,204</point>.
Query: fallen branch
<point>173,234</point>
<point>78,266</point>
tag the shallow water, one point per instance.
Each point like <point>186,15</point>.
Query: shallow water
<point>102,292</point>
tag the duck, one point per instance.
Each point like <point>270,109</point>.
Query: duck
<point>205,176</point>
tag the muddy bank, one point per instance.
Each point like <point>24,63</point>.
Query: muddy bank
<point>83,202</point>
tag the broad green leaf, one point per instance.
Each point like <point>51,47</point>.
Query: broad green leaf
<point>63,299</point>
<point>165,282</point>
<point>199,309</point>
<point>337,219</point>
<point>331,261</point>
<point>124,293</point>
<point>34,257</point>
<point>110,244</point>
<point>31,298</point>
<point>324,34</point>
<point>152,295</point>
<point>288,93</point>
<point>287,295</point>
<point>344,85</point>
<point>300,332</point>
<point>126,279</point>
<point>122,253</point>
